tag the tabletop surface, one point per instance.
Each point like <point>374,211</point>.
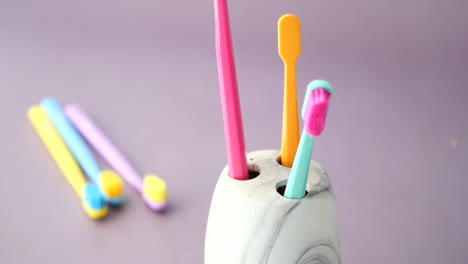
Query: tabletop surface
<point>395,145</point>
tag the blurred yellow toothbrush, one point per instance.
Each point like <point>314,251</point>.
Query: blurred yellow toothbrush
<point>92,200</point>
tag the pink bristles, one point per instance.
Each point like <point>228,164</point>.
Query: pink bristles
<point>316,112</point>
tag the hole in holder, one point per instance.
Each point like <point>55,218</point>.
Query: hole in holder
<point>253,174</point>
<point>254,171</point>
<point>281,188</point>
<point>278,160</point>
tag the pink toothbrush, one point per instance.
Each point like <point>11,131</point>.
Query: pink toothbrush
<point>233,130</point>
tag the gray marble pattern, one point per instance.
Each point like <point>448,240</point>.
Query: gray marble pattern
<point>250,222</point>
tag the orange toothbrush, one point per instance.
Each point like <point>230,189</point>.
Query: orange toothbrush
<point>289,49</point>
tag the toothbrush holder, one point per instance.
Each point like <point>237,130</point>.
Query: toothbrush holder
<point>251,222</point>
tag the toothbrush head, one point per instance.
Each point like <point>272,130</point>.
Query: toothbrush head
<point>154,192</point>
<point>289,37</point>
<point>111,187</point>
<point>315,107</point>
<point>93,202</point>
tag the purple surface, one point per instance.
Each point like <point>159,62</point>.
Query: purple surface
<point>395,144</point>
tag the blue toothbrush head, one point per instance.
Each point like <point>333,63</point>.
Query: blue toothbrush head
<point>93,201</point>
<point>92,197</point>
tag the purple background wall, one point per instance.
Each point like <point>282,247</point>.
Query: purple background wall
<point>395,144</point>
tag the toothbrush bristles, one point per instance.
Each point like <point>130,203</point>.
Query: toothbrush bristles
<point>316,114</point>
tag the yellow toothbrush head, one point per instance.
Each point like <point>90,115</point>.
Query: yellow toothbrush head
<point>111,186</point>
<point>154,192</point>
<point>93,213</point>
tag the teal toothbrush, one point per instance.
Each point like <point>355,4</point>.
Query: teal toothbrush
<point>314,113</point>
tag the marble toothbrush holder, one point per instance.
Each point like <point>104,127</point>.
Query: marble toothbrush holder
<point>251,222</point>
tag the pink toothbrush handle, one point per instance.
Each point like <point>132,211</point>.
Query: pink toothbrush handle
<point>103,145</point>
<point>233,130</point>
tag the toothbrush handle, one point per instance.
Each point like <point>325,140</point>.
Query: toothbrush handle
<point>103,145</point>
<point>295,189</point>
<point>57,149</point>
<point>291,131</point>
<point>72,139</point>
<point>232,117</point>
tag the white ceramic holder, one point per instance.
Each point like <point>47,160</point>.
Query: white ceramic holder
<point>251,223</point>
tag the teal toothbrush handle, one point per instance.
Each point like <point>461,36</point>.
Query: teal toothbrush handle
<point>72,138</point>
<point>295,189</point>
